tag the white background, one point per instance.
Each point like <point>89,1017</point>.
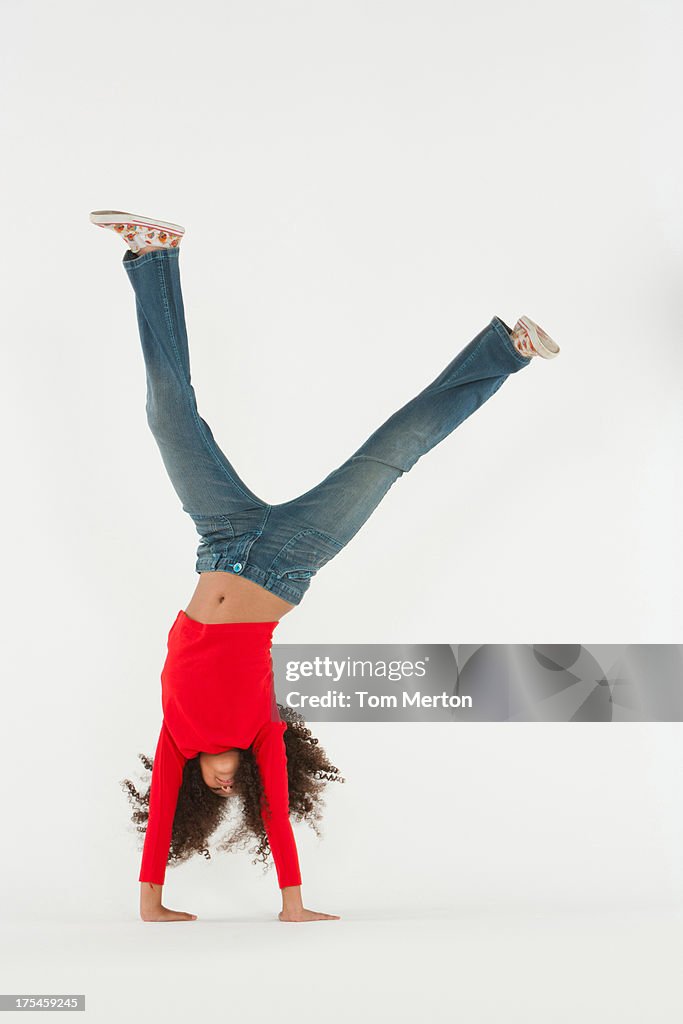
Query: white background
<point>364,185</point>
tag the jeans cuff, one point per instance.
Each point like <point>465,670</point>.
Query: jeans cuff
<point>504,331</point>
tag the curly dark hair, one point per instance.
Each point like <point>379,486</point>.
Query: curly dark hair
<point>200,811</point>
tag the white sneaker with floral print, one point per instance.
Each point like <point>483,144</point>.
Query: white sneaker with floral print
<point>531,340</point>
<point>138,231</point>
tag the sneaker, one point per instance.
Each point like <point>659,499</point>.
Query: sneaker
<point>531,340</point>
<point>138,231</point>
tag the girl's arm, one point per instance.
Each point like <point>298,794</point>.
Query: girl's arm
<point>167,776</point>
<point>271,758</point>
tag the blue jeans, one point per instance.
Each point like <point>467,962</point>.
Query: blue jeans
<point>281,547</point>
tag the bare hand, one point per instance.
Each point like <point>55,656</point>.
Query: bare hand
<point>301,914</point>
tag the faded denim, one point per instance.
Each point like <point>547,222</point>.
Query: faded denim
<point>281,547</point>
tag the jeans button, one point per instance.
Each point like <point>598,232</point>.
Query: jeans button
<point>237,566</point>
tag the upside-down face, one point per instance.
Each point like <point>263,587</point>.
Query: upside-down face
<point>218,770</point>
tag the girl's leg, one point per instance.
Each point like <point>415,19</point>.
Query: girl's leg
<point>210,490</point>
<point>343,501</point>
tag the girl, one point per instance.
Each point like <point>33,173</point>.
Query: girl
<point>222,732</point>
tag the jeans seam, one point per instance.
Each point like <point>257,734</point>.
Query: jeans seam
<point>310,529</point>
<point>301,524</point>
<point>449,384</point>
<point>382,462</point>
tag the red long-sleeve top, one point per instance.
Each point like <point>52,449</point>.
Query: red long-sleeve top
<point>217,692</point>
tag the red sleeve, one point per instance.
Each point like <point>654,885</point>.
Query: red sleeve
<point>167,775</point>
<point>271,758</point>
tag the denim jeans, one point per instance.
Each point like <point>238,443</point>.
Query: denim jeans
<point>281,547</point>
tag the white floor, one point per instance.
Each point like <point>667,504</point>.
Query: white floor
<point>476,964</point>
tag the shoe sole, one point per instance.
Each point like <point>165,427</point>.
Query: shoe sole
<point>542,342</point>
<point>107,217</point>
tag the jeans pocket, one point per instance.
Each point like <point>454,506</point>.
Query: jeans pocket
<point>304,554</point>
<point>220,544</point>
<point>214,529</point>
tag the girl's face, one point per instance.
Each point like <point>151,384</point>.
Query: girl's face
<point>218,770</point>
